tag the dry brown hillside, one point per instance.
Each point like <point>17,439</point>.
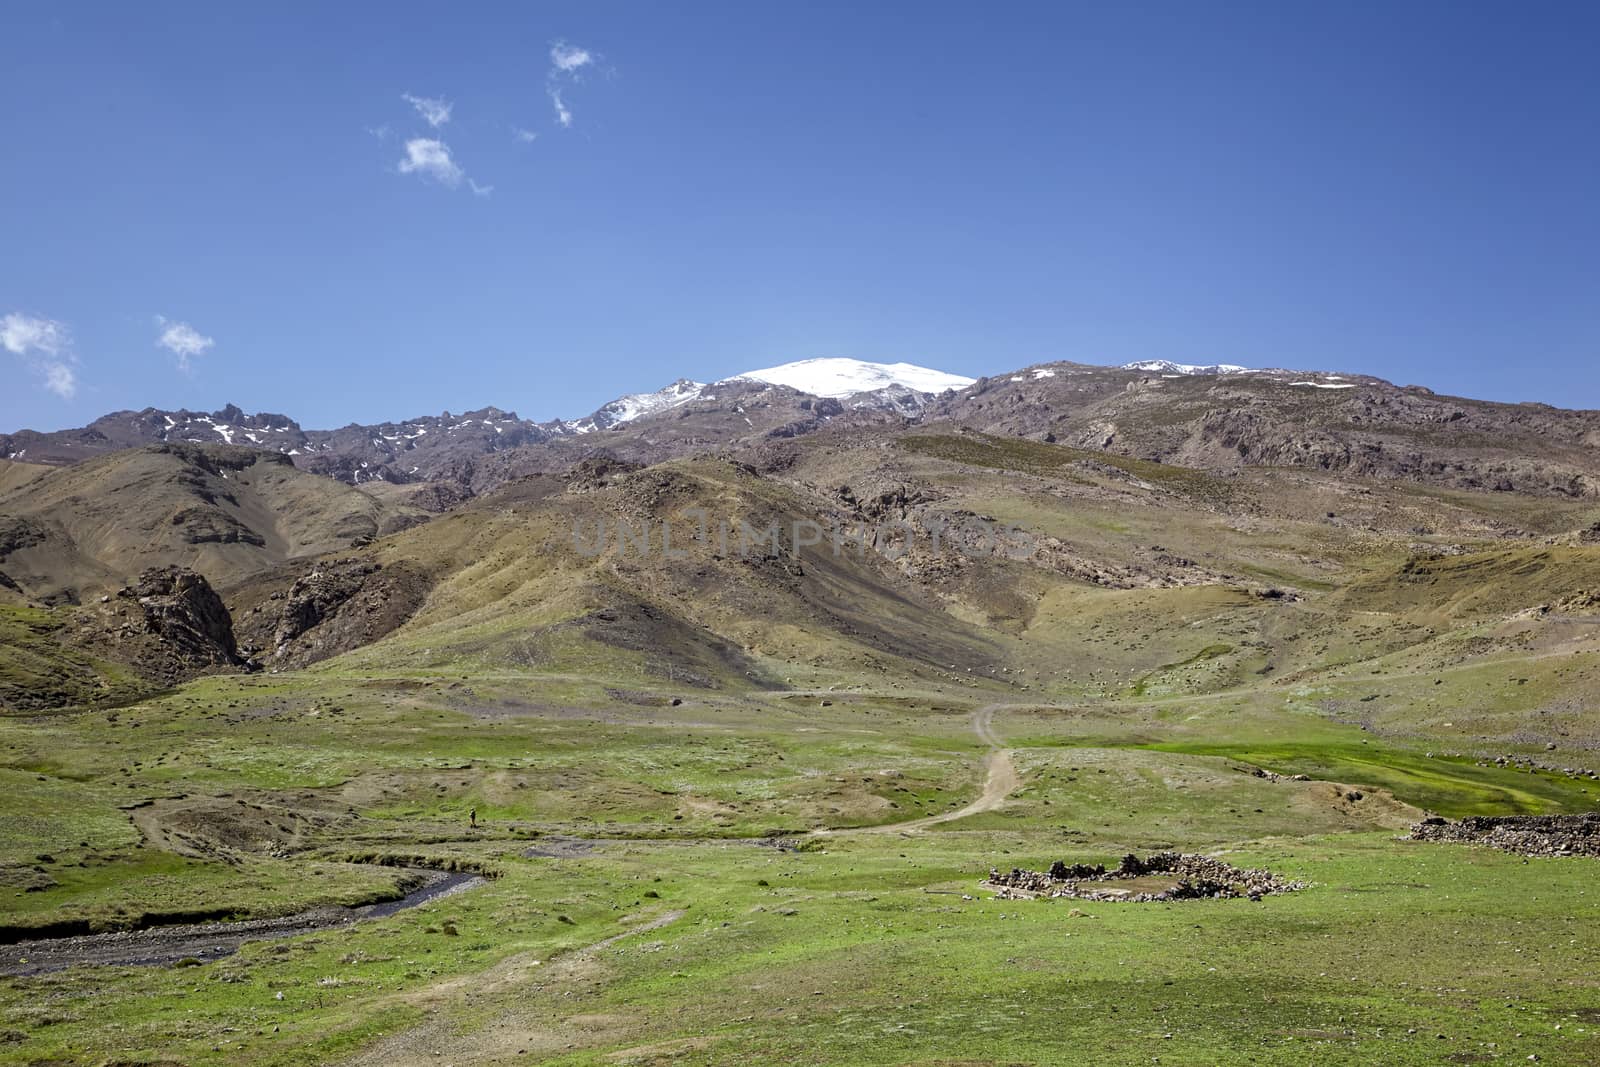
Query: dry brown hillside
<point>72,532</point>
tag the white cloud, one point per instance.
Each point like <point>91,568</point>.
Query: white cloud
<point>46,345</point>
<point>479,190</point>
<point>380,132</point>
<point>61,380</point>
<point>523,136</point>
<point>434,112</point>
<point>566,61</point>
<point>182,340</point>
<point>23,334</point>
<point>431,159</point>
<point>563,113</point>
<point>569,59</point>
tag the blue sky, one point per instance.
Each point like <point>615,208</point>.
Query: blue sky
<point>1410,190</point>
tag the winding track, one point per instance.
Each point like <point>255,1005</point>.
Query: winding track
<point>434,1038</point>
<point>1000,781</point>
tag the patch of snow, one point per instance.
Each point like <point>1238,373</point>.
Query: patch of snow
<point>838,378</point>
<point>226,432</point>
<point>1327,385</point>
<point>1169,367</point>
<point>1015,378</point>
<point>637,405</point>
<point>1044,372</point>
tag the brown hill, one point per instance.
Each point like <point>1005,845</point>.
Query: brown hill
<point>1348,424</point>
<point>225,512</point>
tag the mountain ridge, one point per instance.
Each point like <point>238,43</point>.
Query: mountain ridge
<point>1217,417</point>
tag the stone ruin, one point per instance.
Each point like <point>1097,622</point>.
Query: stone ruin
<point>1191,877</point>
<point>1526,835</point>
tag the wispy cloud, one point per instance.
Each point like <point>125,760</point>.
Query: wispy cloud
<point>434,112</point>
<point>24,334</point>
<point>567,62</point>
<point>431,159</point>
<point>563,113</point>
<point>479,190</point>
<point>61,380</point>
<point>46,346</point>
<point>523,136</point>
<point>182,340</point>
<point>569,59</point>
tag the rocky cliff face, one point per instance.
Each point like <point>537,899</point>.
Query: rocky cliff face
<point>169,625</point>
<point>334,606</point>
<point>181,608</point>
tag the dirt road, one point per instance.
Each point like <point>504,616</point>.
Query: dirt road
<point>1000,780</point>
<point>514,1031</point>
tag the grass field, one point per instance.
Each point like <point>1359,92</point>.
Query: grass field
<point>672,936</point>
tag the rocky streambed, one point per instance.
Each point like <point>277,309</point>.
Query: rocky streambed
<point>204,942</point>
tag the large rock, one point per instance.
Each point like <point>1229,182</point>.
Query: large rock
<point>333,607</point>
<point>186,614</point>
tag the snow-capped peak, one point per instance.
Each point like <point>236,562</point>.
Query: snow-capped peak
<point>1166,366</point>
<point>836,377</point>
<point>636,405</point>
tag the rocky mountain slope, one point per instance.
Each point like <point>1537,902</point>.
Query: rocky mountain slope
<point>1224,525</point>
<point>1225,420</point>
<point>69,533</point>
<point>1218,417</point>
<point>462,450</point>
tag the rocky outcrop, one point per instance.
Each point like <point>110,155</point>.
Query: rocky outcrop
<point>597,472</point>
<point>336,606</point>
<point>180,607</point>
<point>169,626</point>
<point>209,525</point>
<point>439,497</point>
<point>19,533</point>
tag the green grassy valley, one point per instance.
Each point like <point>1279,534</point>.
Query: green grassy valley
<point>713,806</point>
